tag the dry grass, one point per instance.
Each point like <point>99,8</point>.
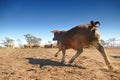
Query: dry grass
<point>40,64</point>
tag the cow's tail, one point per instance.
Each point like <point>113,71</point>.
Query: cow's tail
<point>93,24</point>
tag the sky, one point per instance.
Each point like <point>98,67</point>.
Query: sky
<point>40,17</point>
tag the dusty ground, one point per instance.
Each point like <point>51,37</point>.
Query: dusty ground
<point>40,64</point>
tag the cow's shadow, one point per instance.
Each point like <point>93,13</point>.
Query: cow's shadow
<point>117,57</point>
<point>46,62</point>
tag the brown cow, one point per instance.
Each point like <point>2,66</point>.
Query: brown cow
<point>31,45</point>
<point>79,37</point>
<point>35,46</point>
<point>27,45</point>
<point>48,46</point>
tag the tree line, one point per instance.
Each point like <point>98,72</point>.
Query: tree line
<point>112,42</point>
<point>30,39</point>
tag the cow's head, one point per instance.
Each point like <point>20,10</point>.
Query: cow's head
<point>94,24</point>
<point>57,34</point>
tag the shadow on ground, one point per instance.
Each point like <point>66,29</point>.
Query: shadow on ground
<point>116,57</point>
<point>45,62</point>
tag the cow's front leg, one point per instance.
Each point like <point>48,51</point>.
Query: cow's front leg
<point>57,53</point>
<point>60,48</point>
<point>79,51</point>
<point>100,48</point>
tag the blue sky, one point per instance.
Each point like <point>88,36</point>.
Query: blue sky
<point>39,17</point>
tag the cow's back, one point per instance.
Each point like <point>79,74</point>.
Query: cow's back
<point>81,34</point>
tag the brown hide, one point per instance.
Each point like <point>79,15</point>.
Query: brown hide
<point>81,35</point>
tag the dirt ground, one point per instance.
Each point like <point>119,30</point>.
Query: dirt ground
<point>40,64</point>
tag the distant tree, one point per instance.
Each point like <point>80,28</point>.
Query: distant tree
<point>111,41</point>
<point>32,39</point>
<point>28,38</point>
<point>7,42</point>
<point>36,40</point>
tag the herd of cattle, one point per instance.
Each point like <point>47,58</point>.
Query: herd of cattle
<point>32,46</point>
<point>52,45</point>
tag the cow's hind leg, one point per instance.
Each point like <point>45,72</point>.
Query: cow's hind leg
<point>100,48</point>
<point>63,57</point>
<point>79,51</point>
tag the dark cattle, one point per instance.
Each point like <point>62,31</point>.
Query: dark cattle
<point>31,45</point>
<point>36,46</point>
<point>79,37</point>
<point>48,46</point>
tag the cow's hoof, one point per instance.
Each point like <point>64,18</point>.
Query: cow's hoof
<point>55,55</point>
<point>70,61</point>
<point>110,67</point>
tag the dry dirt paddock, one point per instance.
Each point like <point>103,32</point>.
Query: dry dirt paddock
<point>40,64</point>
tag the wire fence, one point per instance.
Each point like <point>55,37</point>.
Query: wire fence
<point>115,43</point>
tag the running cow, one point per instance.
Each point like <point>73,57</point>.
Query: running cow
<point>79,37</point>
